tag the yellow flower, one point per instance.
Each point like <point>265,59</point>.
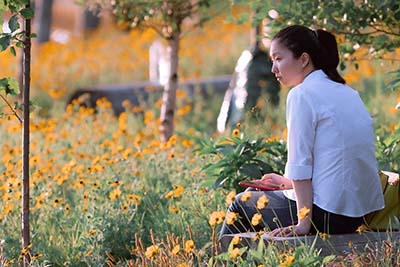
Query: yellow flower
<point>67,207</point>
<point>176,249</point>
<point>173,209</point>
<point>234,253</point>
<point>170,194</point>
<point>189,246</point>
<point>124,207</point>
<point>171,155</point>
<point>92,232</point>
<point>116,193</point>
<point>182,265</point>
<point>362,228</point>
<point>288,261</point>
<point>303,213</point>
<point>257,217</point>
<point>57,202</point>
<point>151,251</point>
<point>230,197</point>
<point>217,217</point>
<point>116,183</point>
<point>235,240</point>
<point>324,236</point>
<point>236,132</point>
<point>231,217</point>
<point>245,196</point>
<point>262,202</point>
<point>178,191</point>
<point>134,199</point>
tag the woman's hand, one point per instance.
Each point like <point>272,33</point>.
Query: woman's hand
<point>274,180</point>
<point>293,230</point>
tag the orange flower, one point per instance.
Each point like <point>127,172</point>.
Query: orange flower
<point>257,217</point>
<point>231,217</point>
<point>217,217</point>
<point>303,213</point>
<point>189,246</point>
<point>151,251</point>
<point>176,249</point>
<point>230,197</point>
<point>362,228</point>
<point>236,132</point>
<point>235,240</point>
<point>324,236</point>
<point>245,196</point>
<point>234,253</point>
<point>262,202</point>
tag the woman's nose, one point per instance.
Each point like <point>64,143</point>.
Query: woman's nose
<point>273,68</point>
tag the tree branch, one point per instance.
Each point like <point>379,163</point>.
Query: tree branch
<point>11,108</point>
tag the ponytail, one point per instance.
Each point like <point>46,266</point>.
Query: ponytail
<point>319,44</point>
<point>329,59</point>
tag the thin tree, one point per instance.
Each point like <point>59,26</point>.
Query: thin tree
<point>9,86</point>
<point>167,19</point>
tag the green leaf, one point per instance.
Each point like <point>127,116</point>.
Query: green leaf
<point>13,23</point>
<point>328,259</point>
<point>251,170</point>
<point>10,86</point>
<point>12,50</point>
<point>19,44</point>
<point>394,84</point>
<point>4,41</point>
<point>14,86</point>
<point>27,13</point>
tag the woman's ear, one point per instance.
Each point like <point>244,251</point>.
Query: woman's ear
<point>305,59</point>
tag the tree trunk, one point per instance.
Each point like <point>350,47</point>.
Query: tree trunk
<point>44,20</point>
<point>169,94</point>
<point>91,20</point>
<point>25,140</point>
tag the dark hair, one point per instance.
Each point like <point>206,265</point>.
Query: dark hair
<point>319,44</point>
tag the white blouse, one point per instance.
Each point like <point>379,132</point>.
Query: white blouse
<point>331,141</point>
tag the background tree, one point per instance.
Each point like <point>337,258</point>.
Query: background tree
<point>373,24</point>
<point>44,20</point>
<point>9,86</point>
<point>167,19</point>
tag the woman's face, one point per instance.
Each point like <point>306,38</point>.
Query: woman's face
<point>288,70</point>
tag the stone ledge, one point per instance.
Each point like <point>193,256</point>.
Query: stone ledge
<point>334,244</point>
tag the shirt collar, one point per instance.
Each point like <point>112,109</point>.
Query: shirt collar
<point>316,74</point>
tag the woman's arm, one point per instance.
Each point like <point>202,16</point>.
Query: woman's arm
<point>304,200</point>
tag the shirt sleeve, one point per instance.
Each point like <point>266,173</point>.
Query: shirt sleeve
<point>301,125</point>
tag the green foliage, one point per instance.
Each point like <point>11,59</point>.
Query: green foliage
<point>395,83</point>
<point>371,23</point>
<point>388,152</point>
<point>15,37</point>
<point>165,17</point>
<point>272,255</point>
<point>236,159</point>
<point>9,86</point>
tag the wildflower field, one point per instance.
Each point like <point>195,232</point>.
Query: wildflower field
<point>106,192</point>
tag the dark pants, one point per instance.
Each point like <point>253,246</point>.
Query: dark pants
<point>280,212</point>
